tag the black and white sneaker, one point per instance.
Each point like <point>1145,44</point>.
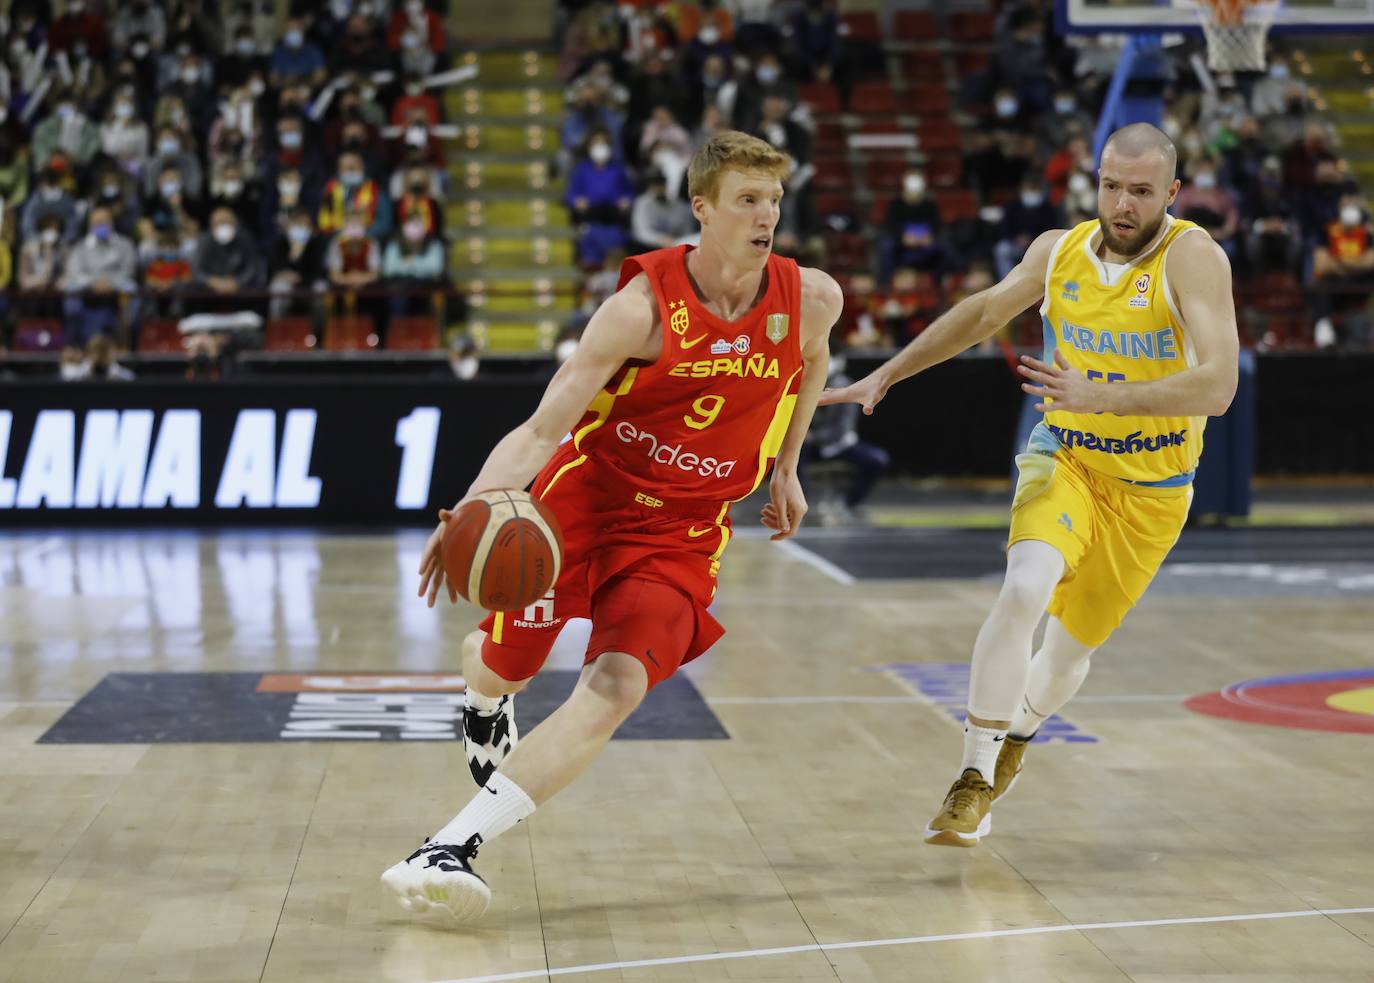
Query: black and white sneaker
<point>488,738</point>
<point>439,878</point>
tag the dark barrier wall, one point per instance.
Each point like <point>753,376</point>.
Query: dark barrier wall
<point>379,452</point>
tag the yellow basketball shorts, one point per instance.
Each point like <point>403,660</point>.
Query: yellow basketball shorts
<point>1113,536</point>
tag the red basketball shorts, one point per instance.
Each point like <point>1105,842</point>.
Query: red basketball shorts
<point>643,577</point>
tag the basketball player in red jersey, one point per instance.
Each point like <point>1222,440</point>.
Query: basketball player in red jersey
<point>698,373</point>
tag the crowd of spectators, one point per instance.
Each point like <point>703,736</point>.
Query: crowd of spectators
<point>161,157</point>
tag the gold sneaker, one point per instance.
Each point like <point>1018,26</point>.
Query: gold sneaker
<point>966,816</point>
<point>1008,765</point>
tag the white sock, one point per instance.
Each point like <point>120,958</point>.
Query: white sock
<point>485,705</point>
<point>1056,673</point>
<point>981,745</point>
<point>499,806</point>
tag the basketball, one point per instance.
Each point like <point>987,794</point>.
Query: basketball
<point>503,550</point>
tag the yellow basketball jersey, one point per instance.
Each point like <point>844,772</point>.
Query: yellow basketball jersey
<point>1118,324</point>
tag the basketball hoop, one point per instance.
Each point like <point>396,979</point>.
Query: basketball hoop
<point>1236,31</point>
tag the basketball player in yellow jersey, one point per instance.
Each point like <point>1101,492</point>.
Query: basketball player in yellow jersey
<point>1140,348</point>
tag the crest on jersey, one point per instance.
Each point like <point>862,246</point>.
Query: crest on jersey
<point>741,345</point>
<point>777,327</point>
<point>680,318</point>
<point>1142,286</point>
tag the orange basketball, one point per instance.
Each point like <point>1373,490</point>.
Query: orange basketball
<point>503,550</point>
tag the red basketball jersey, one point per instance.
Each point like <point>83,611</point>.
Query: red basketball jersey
<point>700,427</point>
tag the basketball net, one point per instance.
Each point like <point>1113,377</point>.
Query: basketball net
<point>1236,31</point>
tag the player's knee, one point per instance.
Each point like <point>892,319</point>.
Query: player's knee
<point>1022,598</point>
<point>616,684</point>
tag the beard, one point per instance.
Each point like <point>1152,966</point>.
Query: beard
<point>1129,245</point>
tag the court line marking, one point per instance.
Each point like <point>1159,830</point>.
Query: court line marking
<point>815,560</point>
<point>910,940</point>
<point>1127,698</point>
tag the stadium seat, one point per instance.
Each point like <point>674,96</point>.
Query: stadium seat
<point>926,100</point>
<point>956,204</point>
<point>160,337</point>
<point>820,96</point>
<point>412,334</point>
<point>944,170</point>
<point>833,174</point>
<point>860,26</point>
<point>38,335</point>
<point>939,134</point>
<point>914,25</point>
<point>873,99</point>
<point>923,67</point>
<point>884,174</point>
<point>972,63</point>
<point>970,27</point>
<point>830,136</point>
<point>350,334</point>
<point>290,334</point>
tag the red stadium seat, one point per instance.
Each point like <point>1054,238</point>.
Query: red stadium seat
<point>350,334</point>
<point>290,334</point>
<point>957,204</point>
<point>833,174</point>
<point>38,335</point>
<point>970,27</point>
<point>926,100</point>
<point>821,97</point>
<point>830,136</point>
<point>412,334</point>
<point>873,99</point>
<point>939,134</point>
<point>847,251</point>
<point>914,25</point>
<point>160,337</point>
<point>944,170</point>
<point>972,63</point>
<point>860,27</point>
<point>884,174</point>
<point>924,67</point>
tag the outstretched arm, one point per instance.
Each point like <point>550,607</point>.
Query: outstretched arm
<point>623,328</point>
<point>1200,275</point>
<point>964,325</point>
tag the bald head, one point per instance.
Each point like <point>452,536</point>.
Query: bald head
<point>1140,140</point>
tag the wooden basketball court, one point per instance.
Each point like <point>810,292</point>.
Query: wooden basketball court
<point>197,785</point>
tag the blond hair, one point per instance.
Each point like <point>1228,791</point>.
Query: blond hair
<point>732,150</point>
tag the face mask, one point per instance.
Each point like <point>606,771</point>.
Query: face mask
<point>600,153</point>
<point>1079,183</point>
<point>294,39</point>
<point>232,189</point>
<point>712,78</point>
<point>1032,199</point>
<point>123,110</point>
<point>139,50</point>
<point>80,51</point>
<point>223,233</point>
<point>709,34</point>
<point>466,367</point>
<point>1278,72</point>
<point>75,7</point>
<point>257,87</point>
<point>291,139</point>
<point>914,185</point>
<point>1006,108</point>
<point>351,179</point>
<point>66,112</point>
<point>101,231</point>
<point>245,46</point>
<point>767,74</point>
<point>299,234</point>
<point>52,194</point>
<point>1064,106</point>
<point>109,191</point>
<point>368,93</point>
<point>353,230</point>
<point>414,8</point>
<point>417,136</point>
<point>1205,180</point>
<point>414,231</point>
<point>1350,216</point>
<point>409,40</point>
<point>49,236</point>
<point>190,76</point>
<point>168,148</point>
<point>289,190</point>
<point>169,189</point>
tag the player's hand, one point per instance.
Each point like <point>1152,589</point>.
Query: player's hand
<point>1062,387</point>
<point>868,391</point>
<point>783,513</point>
<point>432,564</point>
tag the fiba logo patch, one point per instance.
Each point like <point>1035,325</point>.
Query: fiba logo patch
<point>1142,288</point>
